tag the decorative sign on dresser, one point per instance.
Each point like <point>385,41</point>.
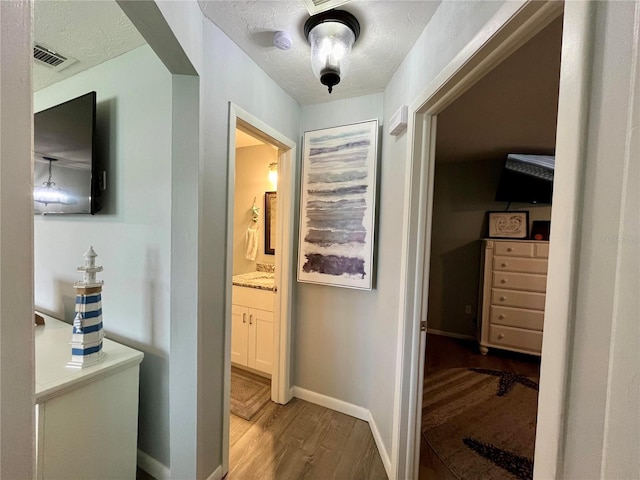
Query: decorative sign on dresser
<point>512,295</point>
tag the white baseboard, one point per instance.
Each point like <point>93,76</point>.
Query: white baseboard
<point>217,474</point>
<point>450,334</point>
<point>332,403</point>
<point>153,467</point>
<point>384,455</point>
<point>348,409</point>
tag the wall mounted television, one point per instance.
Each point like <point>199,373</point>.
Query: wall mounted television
<point>526,179</point>
<point>65,165</point>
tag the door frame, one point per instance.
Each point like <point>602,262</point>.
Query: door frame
<point>513,25</point>
<point>284,259</point>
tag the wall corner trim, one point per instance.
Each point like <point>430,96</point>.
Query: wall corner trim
<point>384,455</point>
<point>217,474</point>
<point>153,467</point>
<point>332,403</point>
<point>442,333</point>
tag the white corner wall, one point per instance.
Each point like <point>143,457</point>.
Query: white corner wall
<point>17,432</point>
<point>602,436</point>
<point>451,28</point>
<point>132,236</point>
<point>227,74</point>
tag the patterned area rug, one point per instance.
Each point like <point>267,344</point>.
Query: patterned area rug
<point>249,393</point>
<point>481,423</point>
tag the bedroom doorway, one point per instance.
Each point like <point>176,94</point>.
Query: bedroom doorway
<point>485,319</point>
<point>515,25</point>
<point>261,183</point>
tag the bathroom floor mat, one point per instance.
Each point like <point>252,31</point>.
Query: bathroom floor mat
<point>249,393</point>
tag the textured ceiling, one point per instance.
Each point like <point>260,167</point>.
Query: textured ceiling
<point>92,32</point>
<point>388,29</point>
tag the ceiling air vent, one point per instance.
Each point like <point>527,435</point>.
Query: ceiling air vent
<point>317,6</point>
<point>51,59</point>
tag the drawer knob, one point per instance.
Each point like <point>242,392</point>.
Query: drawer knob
<point>500,336</point>
<point>501,317</point>
<point>504,280</point>
<point>509,249</point>
<point>504,264</point>
<point>503,298</point>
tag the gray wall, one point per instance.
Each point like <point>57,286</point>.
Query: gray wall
<point>132,234</point>
<point>332,343</point>
<point>513,109</point>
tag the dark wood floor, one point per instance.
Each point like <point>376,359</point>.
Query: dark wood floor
<point>299,441</point>
<point>445,352</point>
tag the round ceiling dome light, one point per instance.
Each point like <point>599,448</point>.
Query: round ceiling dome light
<point>331,35</point>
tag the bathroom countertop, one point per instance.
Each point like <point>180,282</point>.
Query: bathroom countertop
<point>259,280</point>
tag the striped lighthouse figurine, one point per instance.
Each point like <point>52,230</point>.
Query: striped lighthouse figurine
<point>86,339</point>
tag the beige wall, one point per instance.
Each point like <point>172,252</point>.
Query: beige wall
<point>252,170</point>
<point>513,109</point>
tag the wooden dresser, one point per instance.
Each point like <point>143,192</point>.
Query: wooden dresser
<point>512,295</point>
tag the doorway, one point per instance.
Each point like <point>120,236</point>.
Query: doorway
<point>517,25</point>
<point>262,223</point>
<point>486,294</point>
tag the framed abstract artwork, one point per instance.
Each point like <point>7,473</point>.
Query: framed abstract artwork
<point>337,206</point>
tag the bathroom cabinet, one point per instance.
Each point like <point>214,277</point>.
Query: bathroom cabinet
<point>252,329</point>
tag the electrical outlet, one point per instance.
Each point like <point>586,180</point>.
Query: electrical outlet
<point>467,309</point>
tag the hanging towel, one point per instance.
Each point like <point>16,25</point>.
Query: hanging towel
<point>251,243</point>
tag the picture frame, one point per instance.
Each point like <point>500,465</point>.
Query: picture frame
<point>513,225</point>
<point>337,205</point>
<point>540,230</point>
<point>270,199</point>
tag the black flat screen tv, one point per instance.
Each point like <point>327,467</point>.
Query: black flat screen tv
<point>526,179</point>
<point>65,168</point>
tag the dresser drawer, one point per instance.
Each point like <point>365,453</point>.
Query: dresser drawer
<point>516,249</point>
<point>520,281</point>
<point>517,317</point>
<point>516,298</point>
<point>542,250</point>
<point>527,340</point>
<point>524,265</point>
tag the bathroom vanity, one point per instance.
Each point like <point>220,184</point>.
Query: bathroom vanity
<point>252,321</point>
<point>86,419</point>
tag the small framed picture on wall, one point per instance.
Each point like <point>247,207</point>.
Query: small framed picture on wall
<point>508,224</point>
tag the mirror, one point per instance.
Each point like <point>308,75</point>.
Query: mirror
<point>270,223</point>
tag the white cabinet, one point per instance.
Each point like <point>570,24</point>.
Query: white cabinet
<point>86,419</point>
<point>512,295</point>
<point>252,328</point>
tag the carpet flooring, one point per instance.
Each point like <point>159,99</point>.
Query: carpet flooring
<point>249,393</point>
<point>481,422</point>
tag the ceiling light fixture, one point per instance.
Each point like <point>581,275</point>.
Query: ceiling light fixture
<point>331,35</point>
<point>49,192</point>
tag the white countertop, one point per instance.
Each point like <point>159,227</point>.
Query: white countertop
<point>53,351</point>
